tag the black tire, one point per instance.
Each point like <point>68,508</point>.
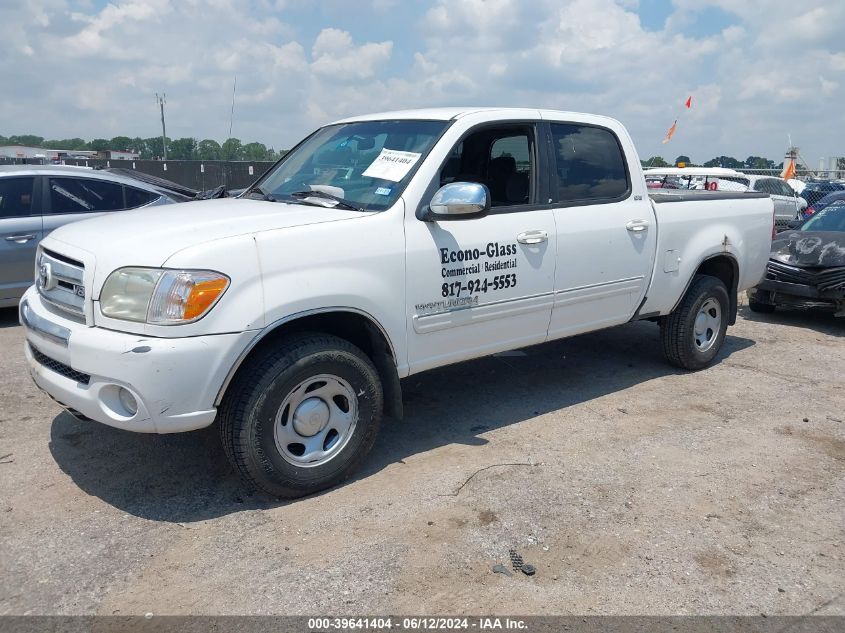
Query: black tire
<point>677,331</point>
<point>248,413</point>
<point>762,308</point>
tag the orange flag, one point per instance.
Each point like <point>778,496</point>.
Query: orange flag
<point>788,170</point>
<point>688,103</point>
<point>671,132</point>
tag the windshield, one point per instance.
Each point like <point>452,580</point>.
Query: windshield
<point>364,165</point>
<point>831,218</point>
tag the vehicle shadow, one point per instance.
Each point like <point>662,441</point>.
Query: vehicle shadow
<point>821,322</point>
<point>8,317</point>
<point>185,477</point>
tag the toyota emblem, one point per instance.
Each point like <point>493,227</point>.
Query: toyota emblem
<point>45,277</point>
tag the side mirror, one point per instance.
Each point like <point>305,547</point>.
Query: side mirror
<point>457,201</point>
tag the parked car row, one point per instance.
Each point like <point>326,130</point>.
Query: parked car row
<point>788,204</point>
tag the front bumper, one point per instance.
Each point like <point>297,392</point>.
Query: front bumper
<point>797,296</point>
<point>174,381</point>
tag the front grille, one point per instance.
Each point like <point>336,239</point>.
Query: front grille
<point>831,279</point>
<point>60,368</point>
<point>59,280</point>
<point>777,271</point>
<point>822,278</point>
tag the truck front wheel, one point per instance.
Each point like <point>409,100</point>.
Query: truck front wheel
<point>693,334</point>
<point>302,415</point>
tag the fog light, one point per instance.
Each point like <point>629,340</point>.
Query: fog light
<point>128,401</point>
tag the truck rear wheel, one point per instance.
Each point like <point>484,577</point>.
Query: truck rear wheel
<point>693,334</point>
<point>302,416</point>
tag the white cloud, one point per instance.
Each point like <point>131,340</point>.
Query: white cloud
<point>337,57</point>
<point>92,72</point>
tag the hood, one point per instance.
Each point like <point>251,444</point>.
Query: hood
<point>810,249</point>
<point>149,236</point>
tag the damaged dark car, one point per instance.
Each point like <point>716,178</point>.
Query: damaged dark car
<point>806,269</point>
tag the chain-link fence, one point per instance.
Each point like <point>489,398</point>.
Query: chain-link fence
<point>198,175</point>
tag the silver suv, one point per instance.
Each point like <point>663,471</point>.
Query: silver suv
<point>36,199</point>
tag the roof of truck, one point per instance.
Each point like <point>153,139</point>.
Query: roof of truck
<point>450,113</point>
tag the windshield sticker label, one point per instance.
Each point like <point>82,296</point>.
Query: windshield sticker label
<point>383,191</point>
<point>392,165</point>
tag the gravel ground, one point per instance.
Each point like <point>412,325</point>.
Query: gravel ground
<point>632,487</point>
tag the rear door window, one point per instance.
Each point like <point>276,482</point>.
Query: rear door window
<point>785,189</point>
<point>589,164</point>
<point>16,197</point>
<point>139,197</point>
<point>83,195</point>
<point>766,185</point>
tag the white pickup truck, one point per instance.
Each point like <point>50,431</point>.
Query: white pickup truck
<point>379,247</point>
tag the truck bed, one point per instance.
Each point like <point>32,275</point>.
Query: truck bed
<point>694,225</point>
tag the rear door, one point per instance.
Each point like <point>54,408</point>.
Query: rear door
<point>606,228</point>
<point>20,232</point>
<point>789,197</point>
<point>784,206</point>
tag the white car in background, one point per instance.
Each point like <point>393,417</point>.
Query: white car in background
<point>788,204</point>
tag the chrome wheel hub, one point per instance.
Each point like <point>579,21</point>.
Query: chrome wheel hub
<point>311,417</point>
<point>316,420</point>
<point>708,322</point>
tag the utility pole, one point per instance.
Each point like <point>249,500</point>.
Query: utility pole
<point>162,99</point>
<point>232,112</point>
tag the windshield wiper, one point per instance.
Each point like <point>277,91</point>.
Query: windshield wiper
<point>264,195</point>
<point>316,193</point>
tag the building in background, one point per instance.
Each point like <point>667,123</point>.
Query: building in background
<point>113,154</point>
<point>34,154</point>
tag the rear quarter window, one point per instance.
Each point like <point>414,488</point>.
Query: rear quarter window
<point>138,197</point>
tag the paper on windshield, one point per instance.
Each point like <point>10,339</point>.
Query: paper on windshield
<point>392,164</point>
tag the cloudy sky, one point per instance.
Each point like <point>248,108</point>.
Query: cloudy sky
<point>758,70</point>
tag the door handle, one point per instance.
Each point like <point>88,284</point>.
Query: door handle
<point>21,239</point>
<point>532,237</point>
<point>636,226</point>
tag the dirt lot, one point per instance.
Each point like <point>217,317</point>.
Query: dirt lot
<point>638,489</point>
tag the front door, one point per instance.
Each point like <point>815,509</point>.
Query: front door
<point>20,232</point>
<point>606,229</point>
<point>482,285</point>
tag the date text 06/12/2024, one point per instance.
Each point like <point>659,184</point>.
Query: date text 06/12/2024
<point>416,624</point>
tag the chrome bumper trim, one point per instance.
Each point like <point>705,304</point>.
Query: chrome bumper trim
<point>50,331</point>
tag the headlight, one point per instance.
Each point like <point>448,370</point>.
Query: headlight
<point>163,297</point>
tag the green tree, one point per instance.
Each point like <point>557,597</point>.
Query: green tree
<point>99,144</point>
<point>66,143</point>
<point>683,159</point>
<point>139,145</point>
<point>758,162</point>
<point>121,143</point>
<point>254,151</point>
<point>208,149</point>
<point>153,147</point>
<point>26,139</point>
<point>724,161</point>
<point>231,149</point>
<point>182,149</point>
<point>655,161</point>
